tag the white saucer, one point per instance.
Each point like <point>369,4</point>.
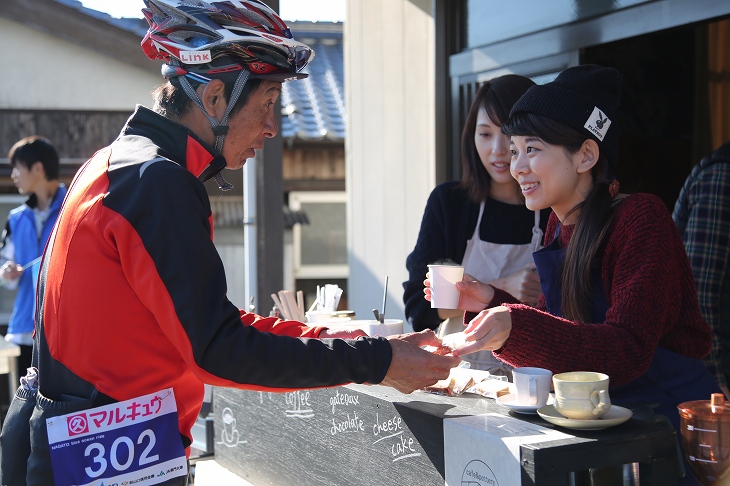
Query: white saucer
<point>510,402</point>
<point>615,415</point>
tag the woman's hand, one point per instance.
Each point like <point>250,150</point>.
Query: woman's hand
<point>488,330</point>
<point>524,285</point>
<point>474,295</point>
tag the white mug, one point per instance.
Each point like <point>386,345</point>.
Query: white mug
<point>532,386</point>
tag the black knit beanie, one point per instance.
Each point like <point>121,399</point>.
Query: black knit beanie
<point>584,98</point>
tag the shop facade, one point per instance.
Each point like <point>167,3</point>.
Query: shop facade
<point>674,56</point>
<point>414,65</point>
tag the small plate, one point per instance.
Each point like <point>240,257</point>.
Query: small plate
<point>615,415</point>
<point>510,401</point>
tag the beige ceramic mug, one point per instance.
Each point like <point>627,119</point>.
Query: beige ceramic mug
<point>581,395</point>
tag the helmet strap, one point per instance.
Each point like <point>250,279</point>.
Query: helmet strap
<point>220,128</point>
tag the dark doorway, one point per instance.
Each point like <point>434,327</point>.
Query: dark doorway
<point>659,108</point>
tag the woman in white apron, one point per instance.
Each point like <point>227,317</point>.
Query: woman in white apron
<point>480,221</point>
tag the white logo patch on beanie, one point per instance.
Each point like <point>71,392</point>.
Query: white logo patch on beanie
<point>598,123</point>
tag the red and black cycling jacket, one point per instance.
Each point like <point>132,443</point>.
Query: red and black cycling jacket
<point>132,294</point>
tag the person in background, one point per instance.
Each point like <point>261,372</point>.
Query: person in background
<point>35,171</point>
<point>619,297</point>
<point>132,302</point>
<point>480,222</point>
<point>702,216</point>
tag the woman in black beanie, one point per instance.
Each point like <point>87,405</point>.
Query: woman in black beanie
<point>619,296</point>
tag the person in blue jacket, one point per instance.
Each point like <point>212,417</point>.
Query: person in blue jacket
<point>35,169</point>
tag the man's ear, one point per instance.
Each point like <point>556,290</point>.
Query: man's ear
<point>213,96</point>
<point>38,167</point>
<point>589,153</point>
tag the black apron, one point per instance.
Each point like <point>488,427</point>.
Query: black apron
<point>671,378</point>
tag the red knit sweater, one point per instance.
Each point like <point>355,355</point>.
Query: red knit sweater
<point>651,292</point>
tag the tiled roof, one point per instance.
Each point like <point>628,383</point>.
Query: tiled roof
<point>314,108</point>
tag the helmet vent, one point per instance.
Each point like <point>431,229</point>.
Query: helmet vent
<point>191,38</point>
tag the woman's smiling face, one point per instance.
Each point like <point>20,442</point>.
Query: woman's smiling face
<point>548,176</point>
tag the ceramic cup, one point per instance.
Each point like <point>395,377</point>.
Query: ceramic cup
<point>532,386</point>
<point>443,291</point>
<point>581,395</point>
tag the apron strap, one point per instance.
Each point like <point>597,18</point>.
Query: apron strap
<point>537,234</point>
<point>479,221</point>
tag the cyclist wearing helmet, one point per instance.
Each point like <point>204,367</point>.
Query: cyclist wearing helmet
<point>132,313</point>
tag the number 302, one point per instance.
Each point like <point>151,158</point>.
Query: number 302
<point>99,458</point>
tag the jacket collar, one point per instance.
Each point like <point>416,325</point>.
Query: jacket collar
<point>178,143</point>
<point>32,201</point>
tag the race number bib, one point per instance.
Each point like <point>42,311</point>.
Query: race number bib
<point>135,442</point>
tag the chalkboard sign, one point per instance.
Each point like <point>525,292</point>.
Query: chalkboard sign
<point>373,435</point>
<point>333,436</point>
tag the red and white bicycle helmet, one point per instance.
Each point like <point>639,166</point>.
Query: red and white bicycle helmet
<point>218,39</point>
<point>232,40</point>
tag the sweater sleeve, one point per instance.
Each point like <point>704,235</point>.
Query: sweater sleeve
<point>650,290</point>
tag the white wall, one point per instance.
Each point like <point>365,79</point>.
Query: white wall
<point>390,147</point>
<point>65,75</point>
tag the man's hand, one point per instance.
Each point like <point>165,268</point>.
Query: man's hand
<point>413,368</point>
<point>10,271</point>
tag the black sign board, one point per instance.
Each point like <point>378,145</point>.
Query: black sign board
<point>346,435</point>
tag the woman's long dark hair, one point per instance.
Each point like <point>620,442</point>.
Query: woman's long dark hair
<point>496,96</point>
<point>596,212</point>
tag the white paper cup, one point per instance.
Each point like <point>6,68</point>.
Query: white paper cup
<point>443,292</point>
<point>532,385</point>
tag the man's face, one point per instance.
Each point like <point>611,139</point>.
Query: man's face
<point>27,179</point>
<point>254,122</point>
